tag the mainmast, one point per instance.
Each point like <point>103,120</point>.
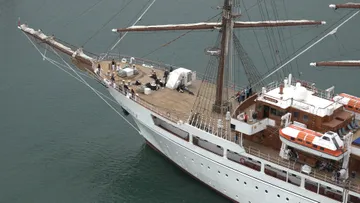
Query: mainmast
<point>345,63</point>
<point>226,33</point>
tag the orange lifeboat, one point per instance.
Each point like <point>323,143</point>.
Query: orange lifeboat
<point>327,145</point>
<point>351,103</point>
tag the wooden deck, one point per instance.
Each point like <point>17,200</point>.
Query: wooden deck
<point>168,101</point>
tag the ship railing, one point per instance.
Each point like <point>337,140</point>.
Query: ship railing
<point>353,186</point>
<point>272,85</point>
<point>308,85</point>
<point>166,114</point>
<point>301,104</point>
<point>270,158</point>
<point>158,65</point>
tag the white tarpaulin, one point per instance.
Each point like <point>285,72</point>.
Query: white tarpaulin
<point>173,79</point>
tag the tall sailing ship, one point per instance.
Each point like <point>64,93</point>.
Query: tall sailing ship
<point>284,142</point>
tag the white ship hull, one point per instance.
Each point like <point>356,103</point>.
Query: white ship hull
<point>233,180</point>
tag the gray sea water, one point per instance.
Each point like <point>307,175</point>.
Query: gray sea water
<point>60,143</point>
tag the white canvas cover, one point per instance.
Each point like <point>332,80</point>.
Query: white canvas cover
<point>175,78</point>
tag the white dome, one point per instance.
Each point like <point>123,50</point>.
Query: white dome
<point>300,92</point>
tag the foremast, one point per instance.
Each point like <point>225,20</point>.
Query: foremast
<point>343,63</point>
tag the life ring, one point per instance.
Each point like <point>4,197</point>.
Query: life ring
<point>242,160</point>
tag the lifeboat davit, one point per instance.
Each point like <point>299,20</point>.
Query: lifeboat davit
<point>351,103</point>
<point>327,145</point>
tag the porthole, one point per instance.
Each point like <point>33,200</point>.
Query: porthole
<point>245,183</point>
<point>237,196</point>
<point>218,171</point>
<point>287,199</point>
<point>278,196</point>
<point>192,160</point>
<point>237,179</point>
<point>202,164</point>
<point>266,191</point>
<point>226,175</point>
<point>256,187</point>
<point>209,167</point>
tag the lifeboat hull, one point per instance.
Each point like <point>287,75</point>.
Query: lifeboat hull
<point>311,151</point>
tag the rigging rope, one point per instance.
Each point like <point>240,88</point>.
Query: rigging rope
<point>292,40</point>
<point>80,79</point>
<point>164,45</point>
<point>117,13</point>
<point>267,34</point>
<point>140,17</point>
<point>83,13</point>
<point>331,32</point>
<point>280,33</point>
<point>256,36</point>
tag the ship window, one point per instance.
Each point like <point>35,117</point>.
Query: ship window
<point>170,128</point>
<point>326,138</point>
<point>322,148</point>
<point>276,112</point>
<point>209,146</point>
<point>300,140</point>
<point>350,107</point>
<point>305,118</point>
<point>296,114</point>
<point>314,145</point>
<point>307,142</point>
<point>273,111</point>
<point>292,138</point>
<point>243,160</point>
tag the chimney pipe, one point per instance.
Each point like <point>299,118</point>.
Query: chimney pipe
<point>281,89</point>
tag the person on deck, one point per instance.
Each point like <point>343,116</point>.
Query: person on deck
<point>153,75</point>
<point>245,117</point>
<point>132,93</point>
<point>166,75</point>
<point>112,78</point>
<point>98,69</point>
<point>113,65</point>
<point>126,87</point>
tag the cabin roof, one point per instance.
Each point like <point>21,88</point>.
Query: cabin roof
<point>299,97</point>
